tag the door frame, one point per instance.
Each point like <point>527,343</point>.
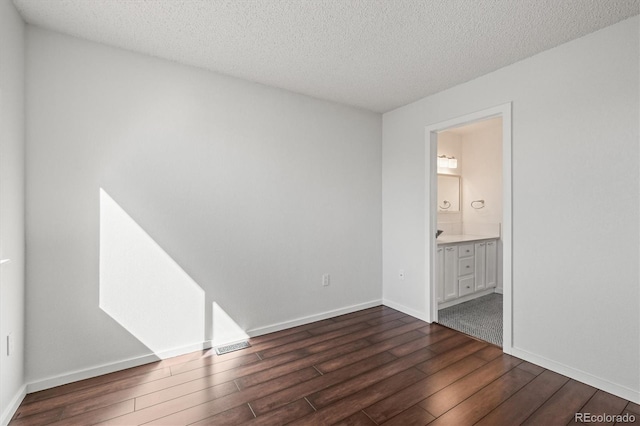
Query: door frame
<point>431,225</point>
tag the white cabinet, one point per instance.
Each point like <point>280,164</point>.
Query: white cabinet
<point>440,274</point>
<point>480,264</point>
<point>465,250</point>
<point>465,286</point>
<point>491,274</point>
<point>450,273</point>
<point>465,268</point>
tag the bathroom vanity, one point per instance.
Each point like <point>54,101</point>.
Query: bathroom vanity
<point>466,268</point>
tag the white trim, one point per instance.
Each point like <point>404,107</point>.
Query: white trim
<point>405,310</point>
<point>431,200</point>
<point>88,373</point>
<point>13,406</point>
<point>579,375</point>
<point>506,231</point>
<point>498,290</point>
<point>311,318</point>
<point>431,153</point>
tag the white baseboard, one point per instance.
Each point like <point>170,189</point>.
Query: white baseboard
<point>579,375</point>
<point>88,373</point>
<point>498,290</point>
<point>404,309</point>
<point>13,406</point>
<point>312,318</point>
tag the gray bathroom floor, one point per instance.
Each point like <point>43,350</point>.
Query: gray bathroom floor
<point>481,318</point>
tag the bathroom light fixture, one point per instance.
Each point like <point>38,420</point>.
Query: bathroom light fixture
<point>447,162</point>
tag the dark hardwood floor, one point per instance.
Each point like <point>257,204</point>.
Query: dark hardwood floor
<point>376,366</point>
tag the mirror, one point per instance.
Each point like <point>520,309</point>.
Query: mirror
<point>448,193</point>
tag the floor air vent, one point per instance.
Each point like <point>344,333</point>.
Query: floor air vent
<point>230,348</point>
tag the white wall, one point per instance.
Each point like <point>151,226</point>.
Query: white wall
<point>575,217</point>
<point>11,207</point>
<point>254,192</point>
<point>482,176</point>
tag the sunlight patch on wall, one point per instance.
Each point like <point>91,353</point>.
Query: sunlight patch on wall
<point>143,288</point>
<point>225,329</point>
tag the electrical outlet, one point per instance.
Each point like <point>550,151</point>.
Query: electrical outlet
<point>326,280</point>
<point>401,274</point>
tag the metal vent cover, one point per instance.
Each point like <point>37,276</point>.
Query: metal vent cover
<point>233,347</point>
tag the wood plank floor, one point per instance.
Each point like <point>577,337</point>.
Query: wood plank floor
<point>372,367</point>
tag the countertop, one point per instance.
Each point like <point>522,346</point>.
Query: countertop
<point>448,239</point>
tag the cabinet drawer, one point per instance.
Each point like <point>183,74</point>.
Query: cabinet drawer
<point>465,250</point>
<point>465,286</point>
<point>465,266</point>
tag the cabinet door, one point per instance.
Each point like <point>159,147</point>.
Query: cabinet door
<point>466,266</point>
<point>450,273</point>
<point>480,261</point>
<point>440,274</point>
<point>465,250</point>
<point>465,286</point>
<point>491,275</point>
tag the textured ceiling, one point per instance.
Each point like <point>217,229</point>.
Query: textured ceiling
<point>374,54</point>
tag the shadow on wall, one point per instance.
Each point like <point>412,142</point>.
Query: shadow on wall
<point>148,293</point>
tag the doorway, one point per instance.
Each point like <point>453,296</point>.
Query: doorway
<point>470,262</point>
